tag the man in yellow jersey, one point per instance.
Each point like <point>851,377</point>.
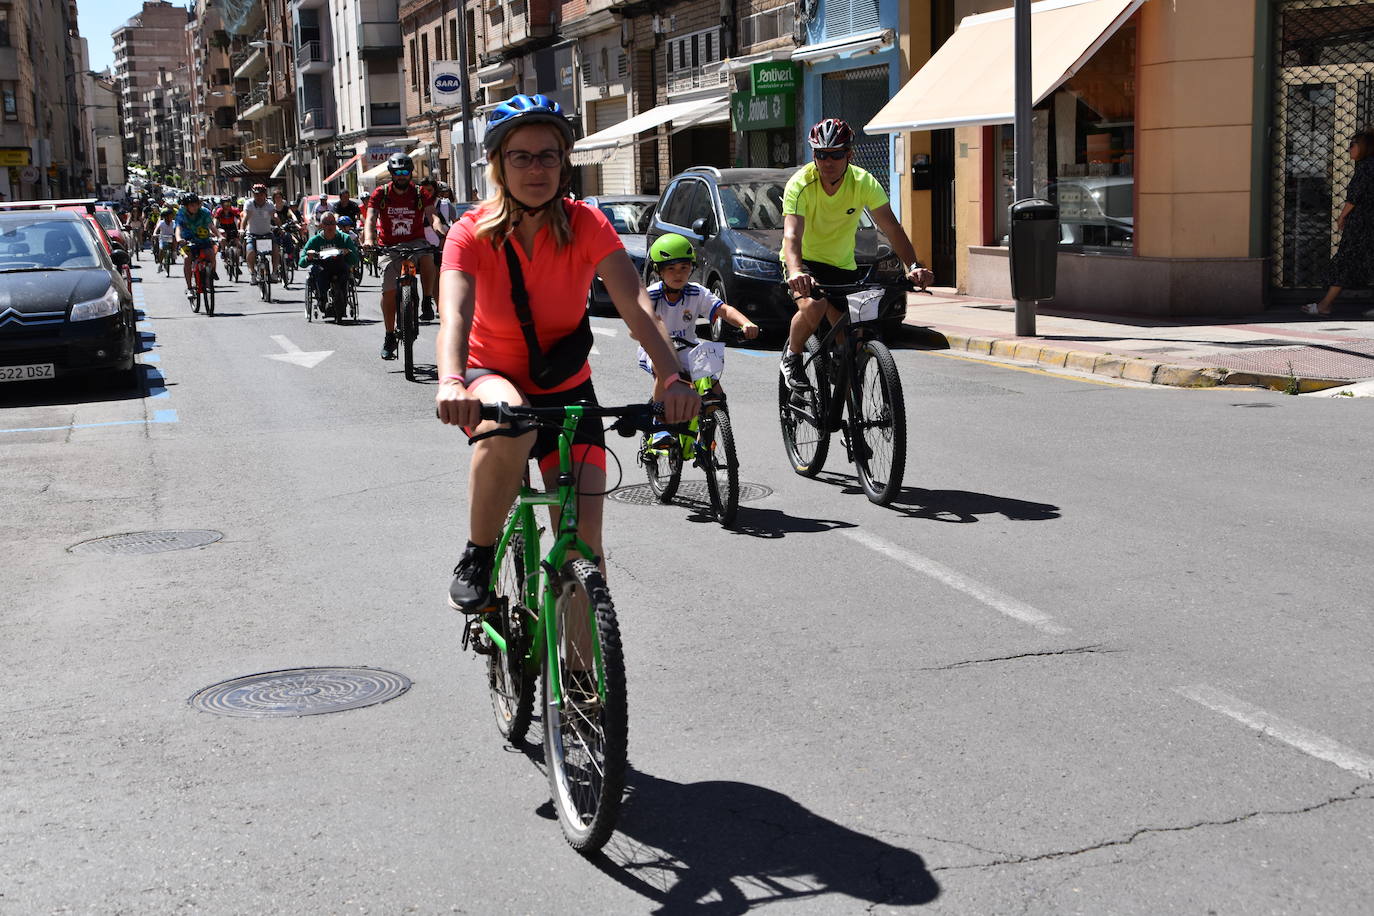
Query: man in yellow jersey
<point>821,208</point>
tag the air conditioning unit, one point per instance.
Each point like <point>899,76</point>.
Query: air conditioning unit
<point>658,24</point>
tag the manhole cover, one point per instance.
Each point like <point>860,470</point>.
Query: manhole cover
<point>140,542</point>
<point>301,692</point>
<point>688,491</point>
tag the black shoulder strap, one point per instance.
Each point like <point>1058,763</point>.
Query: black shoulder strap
<point>521,299</point>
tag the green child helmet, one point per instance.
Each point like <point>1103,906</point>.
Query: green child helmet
<point>670,249</point>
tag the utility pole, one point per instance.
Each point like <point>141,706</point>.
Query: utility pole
<point>463,189</point>
<point>1025,141</point>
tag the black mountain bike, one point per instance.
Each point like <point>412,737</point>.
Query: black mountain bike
<point>407,299</point>
<point>853,389</point>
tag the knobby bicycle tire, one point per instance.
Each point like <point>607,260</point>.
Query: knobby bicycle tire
<point>805,427</point>
<point>197,289</point>
<point>510,685</point>
<point>586,737</point>
<point>408,310</point>
<point>722,468</point>
<point>878,432</point>
<point>208,290</point>
<point>664,471</point>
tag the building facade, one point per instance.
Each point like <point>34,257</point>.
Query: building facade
<point>149,43</point>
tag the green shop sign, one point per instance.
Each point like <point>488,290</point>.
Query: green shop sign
<point>773,76</point>
<point>760,112</point>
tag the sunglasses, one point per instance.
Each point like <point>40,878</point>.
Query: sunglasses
<point>836,154</point>
<point>401,173</point>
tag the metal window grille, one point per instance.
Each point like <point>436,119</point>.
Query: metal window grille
<point>849,17</point>
<point>1323,93</point>
<point>767,25</point>
<point>856,96</point>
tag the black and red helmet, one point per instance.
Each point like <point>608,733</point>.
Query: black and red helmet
<point>832,133</point>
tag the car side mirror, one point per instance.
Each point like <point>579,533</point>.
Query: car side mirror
<point>120,257</point>
<point>703,226</point>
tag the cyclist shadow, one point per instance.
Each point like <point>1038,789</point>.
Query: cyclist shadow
<point>957,506</point>
<point>727,847</point>
<point>755,522</point>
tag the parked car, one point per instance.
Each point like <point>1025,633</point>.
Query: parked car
<point>734,219</point>
<point>630,215</point>
<point>66,308</point>
<point>109,221</point>
<point>87,213</point>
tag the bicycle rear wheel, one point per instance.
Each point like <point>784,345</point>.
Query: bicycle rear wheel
<point>879,430</point>
<point>805,432</point>
<point>722,468</point>
<point>586,734</point>
<point>663,467</point>
<point>511,687</point>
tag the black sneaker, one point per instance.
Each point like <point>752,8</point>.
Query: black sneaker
<point>470,591</point>
<point>389,345</point>
<point>427,309</point>
<point>793,373</point>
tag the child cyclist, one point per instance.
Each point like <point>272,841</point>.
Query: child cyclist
<point>680,304</point>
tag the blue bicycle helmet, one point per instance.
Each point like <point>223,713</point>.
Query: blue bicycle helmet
<point>521,110</point>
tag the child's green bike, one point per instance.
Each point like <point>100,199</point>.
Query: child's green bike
<point>707,442</point>
<point>552,624</point>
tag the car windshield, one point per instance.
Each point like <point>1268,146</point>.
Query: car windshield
<point>107,219</point>
<point>758,205</point>
<point>45,245</point>
<point>628,217</point>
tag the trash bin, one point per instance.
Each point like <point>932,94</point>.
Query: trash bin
<point>1034,249</point>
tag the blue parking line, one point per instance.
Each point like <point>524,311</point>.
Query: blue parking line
<point>150,357</point>
<point>161,416</point>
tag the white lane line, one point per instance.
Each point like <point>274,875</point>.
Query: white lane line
<point>1292,734</point>
<point>1002,604</point>
<point>605,332</point>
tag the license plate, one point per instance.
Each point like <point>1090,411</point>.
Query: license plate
<point>26,373</point>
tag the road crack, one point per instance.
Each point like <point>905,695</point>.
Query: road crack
<point>1353,795</point>
<point>1095,649</point>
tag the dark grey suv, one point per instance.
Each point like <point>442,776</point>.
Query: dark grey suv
<point>734,219</point>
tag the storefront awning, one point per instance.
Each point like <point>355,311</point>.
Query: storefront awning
<point>233,167</point>
<point>281,167</point>
<point>343,168</point>
<point>603,144</point>
<point>970,80</point>
<point>375,173</point>
<point>863,43</point>
<point>419,151</point>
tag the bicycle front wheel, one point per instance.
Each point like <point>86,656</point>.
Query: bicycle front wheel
<point>805,431</point>
<point>511,687</point>
<point>586,733</point>
<point>879,429</point>
<point>663,468</point>
<point>722,468</point>
<point>408,311</point>
<point>208,291</point>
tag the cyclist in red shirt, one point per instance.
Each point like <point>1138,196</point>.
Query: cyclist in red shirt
<point>397,213</point>
<point>227,216</point>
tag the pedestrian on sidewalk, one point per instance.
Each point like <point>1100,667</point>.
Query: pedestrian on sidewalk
<point>1353,264</point>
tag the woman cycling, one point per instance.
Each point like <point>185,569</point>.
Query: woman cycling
<point>482,354</point>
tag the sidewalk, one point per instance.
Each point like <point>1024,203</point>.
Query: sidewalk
<point>1281,349</point>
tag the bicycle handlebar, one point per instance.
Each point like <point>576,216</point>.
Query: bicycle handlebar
<point>630,419</point>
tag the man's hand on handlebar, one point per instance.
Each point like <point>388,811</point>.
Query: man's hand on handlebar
<point>921,276</point>
<point>800,284</point>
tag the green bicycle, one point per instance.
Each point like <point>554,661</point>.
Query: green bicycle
<point>708,441</point>
<point>553,623</point>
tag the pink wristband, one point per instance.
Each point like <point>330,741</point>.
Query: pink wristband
<point>455,378</point>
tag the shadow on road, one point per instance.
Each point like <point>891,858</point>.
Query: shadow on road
<point>755,522</point>
<point>90,388</point>
<point>726,847</point>
<point>959,506</point>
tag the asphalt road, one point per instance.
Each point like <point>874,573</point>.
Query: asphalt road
<point>1108,653</point>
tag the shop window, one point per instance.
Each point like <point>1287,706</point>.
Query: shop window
<point>1084,139</point>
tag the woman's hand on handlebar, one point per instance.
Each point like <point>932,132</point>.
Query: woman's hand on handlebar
<point>680,400</point>
<point>800,284</point>
<point>456,406</point>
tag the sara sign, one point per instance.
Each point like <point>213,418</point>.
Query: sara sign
<point>761,112</point>
<point>446,82</point>
<point>773,76</point>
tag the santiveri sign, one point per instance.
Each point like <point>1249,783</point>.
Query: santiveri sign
<point>761,112</point>
<point>773,76</point>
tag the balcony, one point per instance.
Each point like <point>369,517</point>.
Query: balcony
<point>253,63</point>
<point>312,57</point>
<point>521,22</point>
<point>317,124</point>
<point>707,77</point>
<point>256,104</point>
<point>379,39</point>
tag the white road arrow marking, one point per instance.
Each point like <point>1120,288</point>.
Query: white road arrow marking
<point>295,354</point>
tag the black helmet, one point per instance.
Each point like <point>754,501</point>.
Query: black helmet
<point>189,199</point>
<point>521,110</point>
<point>400,162</point>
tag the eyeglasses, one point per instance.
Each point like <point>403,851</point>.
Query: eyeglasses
<point>520,159</point>
<point>836,154</point>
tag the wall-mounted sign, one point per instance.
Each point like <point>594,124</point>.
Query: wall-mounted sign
<point>14,156</point>
<point>446,82</point>
<point>761,112</point>
<point>774,76</point>
<point>376,155</point>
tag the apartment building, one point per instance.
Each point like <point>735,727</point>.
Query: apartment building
<point>154,40</point>
<point>431,32</point>
<point>106,136</point>
<point>212,113</point>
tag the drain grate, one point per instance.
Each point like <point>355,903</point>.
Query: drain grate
<point>144,542</point>
<point>688,491</point>
<point>301,692</point>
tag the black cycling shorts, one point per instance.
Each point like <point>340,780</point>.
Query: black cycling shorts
<point>589,442</point>
<point>830,274</point>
